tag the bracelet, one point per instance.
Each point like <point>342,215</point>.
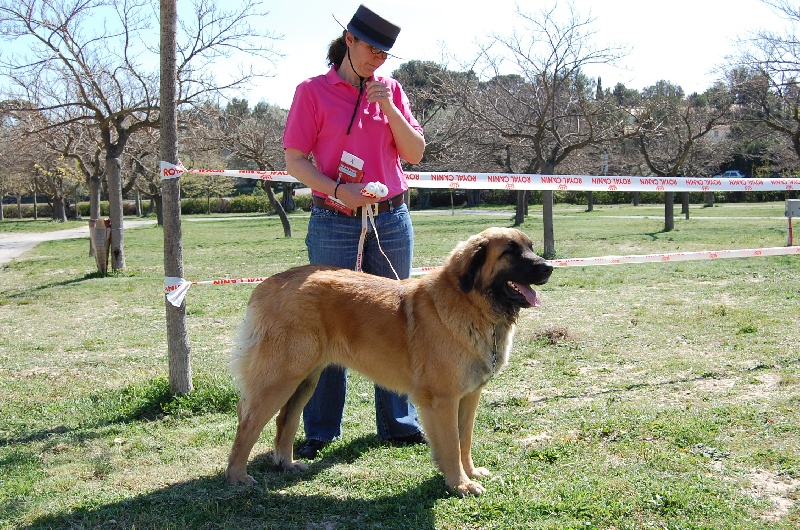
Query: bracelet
<point>336,189</point>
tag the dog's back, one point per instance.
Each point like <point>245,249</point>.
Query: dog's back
<point>316,315</point>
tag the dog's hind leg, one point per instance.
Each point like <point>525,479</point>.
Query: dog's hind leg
<point>288,421</point>
<point>254,410</point>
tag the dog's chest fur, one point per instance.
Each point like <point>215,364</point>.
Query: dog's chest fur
<point>494,356</point>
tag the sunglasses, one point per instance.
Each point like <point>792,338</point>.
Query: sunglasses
<point>377,51</point>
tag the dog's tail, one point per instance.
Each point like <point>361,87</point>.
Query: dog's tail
<point>248,336</point>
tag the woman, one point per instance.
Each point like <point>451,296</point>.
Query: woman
<point>350,111</point>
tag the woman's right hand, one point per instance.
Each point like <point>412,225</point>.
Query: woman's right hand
<point>350,195</point>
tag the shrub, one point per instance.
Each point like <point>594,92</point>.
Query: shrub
<point>43,210</point>
<point>249,203</point>
<point>128,208</point>
<point>303,202</point>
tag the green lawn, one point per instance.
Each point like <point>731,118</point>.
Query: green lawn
<point>638,396</point>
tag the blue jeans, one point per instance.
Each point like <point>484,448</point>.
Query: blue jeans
<point>333,240</point>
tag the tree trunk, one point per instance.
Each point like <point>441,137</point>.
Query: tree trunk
<point>278,207</point>
<point>589,201</point>
<point>180,368</point>
<point>59,214</point>
<point>669,211</point>
<point>423,198</point>
<point>94,198</point>
<point>473,198</point>
<point>709,199</point>
<point>138,204</point>
<point>159,204</point>
<point>35,207</point>
<point>519,215</point>
<point>636,198</point>
<point>287,198</point>
<point>549,237</point>
<point>115,214</point>
<point>685,203</point>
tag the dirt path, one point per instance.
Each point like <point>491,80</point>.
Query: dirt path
<point>14,244</point>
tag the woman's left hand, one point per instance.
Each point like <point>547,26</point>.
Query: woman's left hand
<point>379,93</point>
<point>410,142</point>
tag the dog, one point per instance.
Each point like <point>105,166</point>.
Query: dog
<point>438,339</point>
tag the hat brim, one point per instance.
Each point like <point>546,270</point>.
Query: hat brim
<point>361,36</point>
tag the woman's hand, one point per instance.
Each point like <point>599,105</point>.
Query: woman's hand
<point>410,143</point>
<point>379,93</point>
<point>350,195</point>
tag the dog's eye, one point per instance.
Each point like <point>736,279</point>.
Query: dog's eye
<point>512,249</point>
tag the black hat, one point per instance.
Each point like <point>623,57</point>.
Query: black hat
<point>373,29</point>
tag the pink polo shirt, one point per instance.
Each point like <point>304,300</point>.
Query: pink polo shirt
<point>318,120</point>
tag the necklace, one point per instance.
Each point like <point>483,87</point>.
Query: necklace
<point>494,351</point>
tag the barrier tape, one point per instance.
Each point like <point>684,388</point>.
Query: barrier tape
<point>659,258</point>
<point>506,181</point>
<point>170,171</point>
<point>176,288</point>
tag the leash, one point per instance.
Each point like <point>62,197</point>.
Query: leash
<point>373,189</point>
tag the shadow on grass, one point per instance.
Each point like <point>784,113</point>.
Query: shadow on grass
<point>136,403</point>
<point>28,291</point>
<point>210,503</point>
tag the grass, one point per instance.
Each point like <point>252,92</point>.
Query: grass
<point>41,225</point>
<point>638,396</point>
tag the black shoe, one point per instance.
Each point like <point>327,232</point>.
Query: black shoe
<point>412,439</point>
<point>310,448</point>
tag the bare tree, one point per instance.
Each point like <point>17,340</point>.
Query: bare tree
<point>16,162</point>
<point>81,69</point>
<point>143,157</point>
<point>252,136</point>
<point>765,79</point>
<point>453,142</point>
<point>206,186</point>
<point>672,127</point>
<point>777,54</point>
<point>78,143</point>
<point>59,179</point>
<point>547,110</point>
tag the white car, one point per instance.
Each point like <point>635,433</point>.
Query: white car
<point>733,174</point>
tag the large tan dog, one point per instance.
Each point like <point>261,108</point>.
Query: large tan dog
<point>438,339</point>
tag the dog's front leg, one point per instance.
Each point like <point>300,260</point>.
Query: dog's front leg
<point>467,408</point>
<point>440,420</point>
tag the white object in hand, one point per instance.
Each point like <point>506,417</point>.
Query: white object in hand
<point>376,190</point>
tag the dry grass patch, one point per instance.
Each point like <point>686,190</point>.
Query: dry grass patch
<point>556,335</point>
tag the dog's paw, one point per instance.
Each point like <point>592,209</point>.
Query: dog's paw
<point>295,465</point>
<point>469,488</point>
<point>479,472</point>
<point>239,479</point>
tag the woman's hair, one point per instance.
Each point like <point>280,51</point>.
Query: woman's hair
<point>337,50</point>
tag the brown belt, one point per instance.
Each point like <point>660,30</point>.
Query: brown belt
<point>383,206</point>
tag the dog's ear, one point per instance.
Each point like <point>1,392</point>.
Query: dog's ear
<point>471,277</point>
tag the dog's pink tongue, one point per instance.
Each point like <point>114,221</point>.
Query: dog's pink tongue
<point>530,295</point>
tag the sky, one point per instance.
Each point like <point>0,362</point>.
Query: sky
<point>680,41</point>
